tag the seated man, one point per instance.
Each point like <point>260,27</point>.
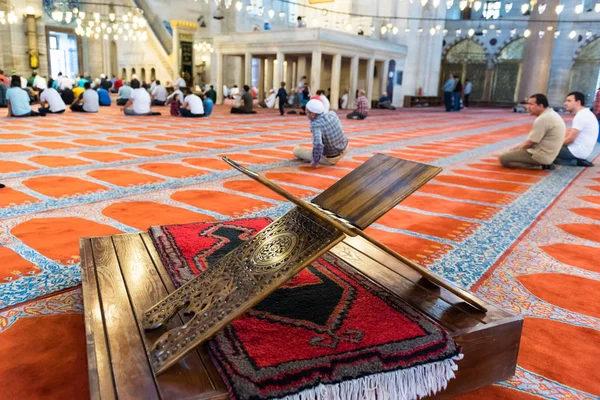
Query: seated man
<point>385,103</point>
<point>361,107</point>
<point>269,102</point>
<point>18,100</point>
<point>159,94</point>
<point>51,102</point>
<point>103,96</point>
<point>88,101</point>
<point>67,96</point>
<point>208,106</point>
<point>124,94</point>
<point>192,106</point>
<point>329,142</point>
<point>77,91</point>
<point>3,90</point>
<point>139,102</point>
<point>246,108</point>
<point>581,137</point>
<point>544,141</point>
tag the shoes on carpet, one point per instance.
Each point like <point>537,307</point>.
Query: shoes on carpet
<point>1,186</point>
<point>550,167</point>
<point>584,163</point>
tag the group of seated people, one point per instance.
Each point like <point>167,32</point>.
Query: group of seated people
<point>550,142</point>
<point>135,99</point>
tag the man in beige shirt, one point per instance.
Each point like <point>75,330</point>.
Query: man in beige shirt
<point>544,141</point>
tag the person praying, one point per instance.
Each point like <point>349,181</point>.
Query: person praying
<point>329,142</point>
<point>192,106</point>
<point>88,101</point>
<point>361,107</point>
<point>18,100</point>
<point>139,102</point>
<point>159,94</point>
<point>245,108</point>
<point>51,102</point>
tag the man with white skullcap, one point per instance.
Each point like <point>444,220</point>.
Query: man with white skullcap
<point>329,142</point>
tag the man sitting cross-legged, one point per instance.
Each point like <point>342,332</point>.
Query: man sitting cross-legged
<point>139,102</point>
<point>581,138</point>
<point>51,102</point>
<point>329,142</point>
<point>245,108</point>
<point>361,106</point>
<point>88,101</point>
<point>544,140</point>
<point>192,106</point>
<point>17,100</point>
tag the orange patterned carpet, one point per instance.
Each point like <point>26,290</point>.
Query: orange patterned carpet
<point>521,239</point>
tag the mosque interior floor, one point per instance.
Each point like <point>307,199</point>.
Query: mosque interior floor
<point>523,240</point>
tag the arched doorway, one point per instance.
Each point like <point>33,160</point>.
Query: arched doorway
<point>152,74</point>
<point>507,72</point>
<point>143,74</point>
<point>585,74</point>
<point>124,74</point>
<point>467,60</point>
<point>133,75</point>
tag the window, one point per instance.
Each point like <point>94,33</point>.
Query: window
<point>491,9</point>
<point>53,42</point>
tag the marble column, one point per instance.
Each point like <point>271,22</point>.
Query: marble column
<point>261,78</point>
<point>384,76</point>
<point>248,69</point>
<point>353,80</point>
<point>219,78</point>
<point>315,72</point>
<point>269,67</point>
<point>289,78</point>
<point>295,79</point>
<point>278,75</point>
<point>370,78</point>
<point>176,55</point>
<point>336,71</point>
<point>301,68</point>
<point>537,56</point>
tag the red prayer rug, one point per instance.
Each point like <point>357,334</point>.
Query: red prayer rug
<point>328,333</point>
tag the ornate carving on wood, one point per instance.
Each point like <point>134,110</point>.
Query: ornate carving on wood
<point>238,281</point>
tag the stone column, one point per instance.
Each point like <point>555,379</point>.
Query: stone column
<point>248,69</point>
<point>289,78</point>
<point>295,79</point>
<point>219,78</point>
<point>336,71</point>
<point>370,78</point>
<point>315,72</point>
<point>384,76</point>
<point>176,55</point>
<point>269,67</point>
<point>353,80</point>
<point>261,78</point>
<point>537,56</point>
<point>301,68</point>
<point>278,75</point>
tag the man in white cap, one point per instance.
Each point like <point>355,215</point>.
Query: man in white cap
<point>329,142</point>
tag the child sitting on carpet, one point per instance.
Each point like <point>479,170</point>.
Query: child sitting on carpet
<point>175,106</point>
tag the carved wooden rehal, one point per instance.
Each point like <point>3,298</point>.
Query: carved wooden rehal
<point>248,274</point>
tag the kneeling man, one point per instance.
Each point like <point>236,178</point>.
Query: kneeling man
<point>544,141</point>
<point>581,138</point>
<point>329,142</point>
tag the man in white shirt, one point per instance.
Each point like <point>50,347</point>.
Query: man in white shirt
<point>159,94</point>
<point>64,83</point>
<point>467,92</point>
<point>39,82</point>
<point>192,106</point>
<point>51,102</point>
<point>91,102</point>
<point>180,82</point>
<point>344,101</point>
<point>324,99</point>
<point>139,102</point>
<point>582,136</point>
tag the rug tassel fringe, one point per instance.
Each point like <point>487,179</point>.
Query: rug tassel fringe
<point>407,384</point>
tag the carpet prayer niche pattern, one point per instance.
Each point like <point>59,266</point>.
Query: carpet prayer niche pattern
<point>526,240</point>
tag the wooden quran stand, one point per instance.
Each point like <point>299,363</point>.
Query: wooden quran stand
<point>248,274</point>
